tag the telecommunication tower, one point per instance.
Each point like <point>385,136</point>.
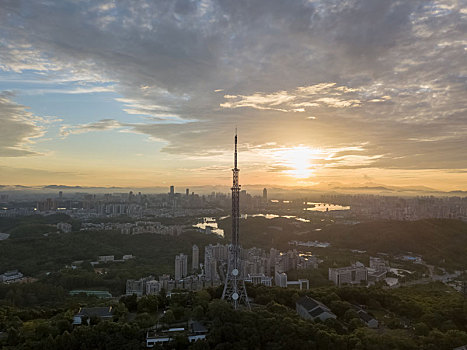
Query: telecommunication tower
<point>234,288</point>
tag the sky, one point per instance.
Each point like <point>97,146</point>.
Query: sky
<point>324,93</point>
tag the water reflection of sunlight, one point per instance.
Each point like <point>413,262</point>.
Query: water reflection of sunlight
<point>209,225</point>
<point>323,207</point>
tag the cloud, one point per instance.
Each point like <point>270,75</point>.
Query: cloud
<point>20,57</point>
<point>323,94</point>
<point>14,172</point>
<point>19,128</point>
<point>388,75</point>
<point>101,125</point>
<point>72,91</point>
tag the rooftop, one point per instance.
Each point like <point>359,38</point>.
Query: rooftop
<point>105,311</point>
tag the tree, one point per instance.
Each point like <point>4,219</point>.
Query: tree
<point>145,320</point>
<point>202,298</point>
<point>120,312</point>
<point>355,323</point>
<point>14,337</point>
<point>130,302</point>
<point>421,329</point>
<point>198,312</point>
<point>149,303</point>
<point>178,311</point>
<point>168,317</point>
<point>63,325</point>
<point>350,314</point>
<point>65,341</point>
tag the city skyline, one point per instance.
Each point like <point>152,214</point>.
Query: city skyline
<point>326,94</point>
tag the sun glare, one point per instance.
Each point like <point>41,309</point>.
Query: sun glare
<point>298,161</point>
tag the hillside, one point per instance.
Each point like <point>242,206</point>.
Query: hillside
<point>439,241</point>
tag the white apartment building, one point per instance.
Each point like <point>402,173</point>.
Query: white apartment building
<point>259,279</point>
<point>348,275</point>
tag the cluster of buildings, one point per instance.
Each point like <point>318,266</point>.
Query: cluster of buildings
<point>106,206</point>
<point>258,267</point>
<point>358,273</point>
<point>255,261</point>
<point>102,259</point>
<point>135,228</point>
<point>195,330</point>
<point>184,278</point>
<point>171,204</point>
<point>402,208</point>
<point>152,286</point>
<point>315,244</point>
<point>19,211</point>
<point>111,258</point>
<point>137,205</point>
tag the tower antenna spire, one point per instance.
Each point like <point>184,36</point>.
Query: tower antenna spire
<point>234,288</point>
<point>235,156</point>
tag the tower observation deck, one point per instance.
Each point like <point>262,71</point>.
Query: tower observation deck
<point>234,288</point>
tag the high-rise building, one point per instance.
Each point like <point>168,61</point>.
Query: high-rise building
<point>181,266</point>
<point>265,195</point>
<point>195,261</point>
<point>234,288</point>
<point>187,192</point>
<point>281,279</point>
<point>172,190</point>
<point>213,254</point>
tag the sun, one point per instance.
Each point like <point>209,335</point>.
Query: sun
<point>298,161</point>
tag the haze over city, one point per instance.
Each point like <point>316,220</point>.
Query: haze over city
<point>325,94</point>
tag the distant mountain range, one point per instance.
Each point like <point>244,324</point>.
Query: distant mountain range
<point>333,188</point>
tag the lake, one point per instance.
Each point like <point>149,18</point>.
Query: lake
<point>323,207</point>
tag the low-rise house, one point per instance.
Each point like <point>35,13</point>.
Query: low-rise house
<point>102,294</point>
<point>196,332</point>
<point>367,319</point>
<point>153,338</point>
<point>106,258</point>
<point>301,284</point>
<point>282,281</point>
<point>259,278</point>
<point>11,276</point>
<point>4,236</point>
<point>376,275</point>
<point>86,313</point>
<point>311,309</point>
<point>64,227</point>
<point>378,264</point>
<point>392,282</point>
